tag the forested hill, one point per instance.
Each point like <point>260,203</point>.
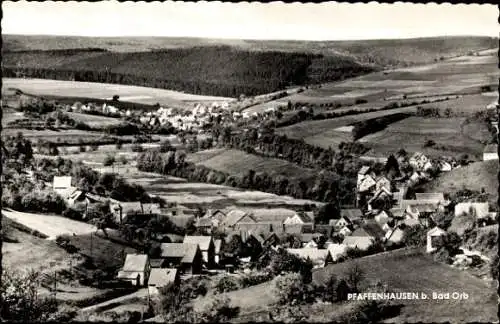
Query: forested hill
<point>208,70</point>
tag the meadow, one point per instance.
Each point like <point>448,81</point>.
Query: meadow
<point>239,162</point>
<point>413,133</point>
<point>426,276</point>
<point>103,91</point>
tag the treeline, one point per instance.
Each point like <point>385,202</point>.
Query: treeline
<point>211,70</point>
<point>374,125</point>
<point>266,143</point>
<point>326,186</point>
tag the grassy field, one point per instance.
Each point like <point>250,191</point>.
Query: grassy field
<point>426,276</point>
<point>136,94</point>
<point>464,104</point>
<point>474,177</point>
<point>93,120</point>
<point>324,133</point>
<point>413,132</point>
<point>69,135</point>
<point>50,225</point>
<point>237,162</point>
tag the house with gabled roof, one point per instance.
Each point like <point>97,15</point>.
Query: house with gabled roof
<point>184,256</point>
<point>346,230</point>
<point>364,236</point>
<point>367,184</point>
<point>236,216</point>
<point>135,269</point>
<point>302,218</point>
<point>383,182</point>
<point>394,236</point>
<point>337,250</point>
<point>382,218</point>
<point>418,160</point>
<point>160,278</point>
<point>341,222</point>
<point>206,245</point>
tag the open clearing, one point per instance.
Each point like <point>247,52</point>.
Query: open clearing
<point>238,162</point>
<point>475,176</point>
<point>142,95</point>
<point>413,132</point>
<point>426,276</point>
<point>50,225</point>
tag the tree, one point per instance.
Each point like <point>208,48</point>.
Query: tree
<point>116,97</point>
<point>20,299</point>
<point>328,211</point>
<point>219,310</point>
<point>355,276</point>
<point>109,160</point>
<point>415,236</point>
<point>290,289</point>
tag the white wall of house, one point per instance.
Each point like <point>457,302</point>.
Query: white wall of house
<point>490,156</point>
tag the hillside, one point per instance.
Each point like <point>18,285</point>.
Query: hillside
<point>219,67</point>
<point>475,176</point>
<point>209,70</point>
<point>381,52</point>
<point>425,276</point>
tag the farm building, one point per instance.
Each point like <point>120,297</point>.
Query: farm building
<point>319,257</point>
<point>353,214</point>
<point>382,218</point>
<point>419,161</point>
<point>365,236</point>
<point>302,218</point>
<point>394,236</point>
<point>435,238</point>
<point>186,257</point>
<point>206,246</point>
<point>490,152</point>
<point>478,209</point>
<point>160,278</point>
<point>135,269</point>
<point>346,230</point>
<point>341,222</point>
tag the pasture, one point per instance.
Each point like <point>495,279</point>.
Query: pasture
<point>238,162</point>
<point>324,133</point>
<point>412,133</point>
<point>135,94</point>
<point>426,276</point>
<point>94,120</point>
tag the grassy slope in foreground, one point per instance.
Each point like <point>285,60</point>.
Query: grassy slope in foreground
<point>474,177</point>
<point>414,271</point>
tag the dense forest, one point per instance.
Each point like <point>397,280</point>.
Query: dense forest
<point>209,70</point>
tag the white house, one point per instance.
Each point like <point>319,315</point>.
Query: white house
<point>346,230</point>
<point>490,152</point>
<point>382,218</point>
<point>418,161</point>
<point>394,236</point>
<point>61,184</point>
<point>435,237</point>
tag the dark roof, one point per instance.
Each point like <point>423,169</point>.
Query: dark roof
<point>351,213</point>
<point>373,229</point>
<point>186,251</point>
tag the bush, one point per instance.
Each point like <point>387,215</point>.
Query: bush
<point>109,160</point>
<point>227,283</point>
<point>219,310</point>
<point>290,289</point>
<point>82,149</point>
<point>442,255</point>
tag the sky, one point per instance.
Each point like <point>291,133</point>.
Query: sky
<point>276,20</point>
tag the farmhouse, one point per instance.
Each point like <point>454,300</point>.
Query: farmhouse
<point>206,246</point>
<point>394,236</point>
<point>235,217</point>
<point>341,222</point>
<point>490,152</point>
<point>301,218</point>
<point>319,257</point>
<point>382,218</point>
<point>346,230</point>
<point>135,269</point>
<point>419,161</point>
<point>160,278</point>
<point>183,256</point>
<point>435,238</point>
